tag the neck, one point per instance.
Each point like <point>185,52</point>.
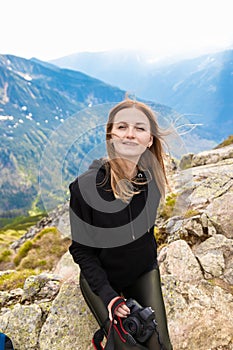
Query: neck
<point>129,167</point>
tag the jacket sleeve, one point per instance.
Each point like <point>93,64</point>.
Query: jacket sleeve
<point>86,256</point>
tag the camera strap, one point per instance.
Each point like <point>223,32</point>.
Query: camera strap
<point>124,336</point>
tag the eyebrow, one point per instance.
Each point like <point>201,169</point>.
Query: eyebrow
<point>138,123</point>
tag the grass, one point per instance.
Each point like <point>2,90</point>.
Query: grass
<point>190,213</point>
<point>14,228</point>
<point>15,279</point>
<point>36,255</point>
<point>160,236</point>
<point>20,222</point>
<point>22,252</point>
<point>43,251</point>
<point>226,142</point>
<point>5,256</point>
<point>166,210</point>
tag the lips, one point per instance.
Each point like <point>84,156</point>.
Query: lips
<point>129,143</point>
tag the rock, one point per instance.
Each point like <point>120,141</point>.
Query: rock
<point>6,272</point>
<point>219,210</point>
<point>193,226</point>
<point>43,286</point>
<point>23,325</point>
<point>210,188</point>
<point>174,224</point>
<point>64,223</point>
<point>207,225</point>
<point>180,262</point>
<point>213,255</point>
<point>56,218</point>
<point>11,297</point>
<point>70,322</point>
<point>67,269</point>
<point>212,156</point>
<point>198,314</point>
<point>186,161</point>
<point>212,263</point>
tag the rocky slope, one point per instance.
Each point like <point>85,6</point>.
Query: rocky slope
<point>196,261</point>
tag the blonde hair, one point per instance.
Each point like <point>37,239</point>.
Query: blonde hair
<point>151,160</point>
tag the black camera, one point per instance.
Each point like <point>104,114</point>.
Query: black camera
<point>141,322</point>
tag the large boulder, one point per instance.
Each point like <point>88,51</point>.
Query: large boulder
<point>198,310</point>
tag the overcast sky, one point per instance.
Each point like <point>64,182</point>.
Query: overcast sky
<point>48,29</point>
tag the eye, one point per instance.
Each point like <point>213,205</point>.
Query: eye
<point>140,128</point>
<point>121,127</point>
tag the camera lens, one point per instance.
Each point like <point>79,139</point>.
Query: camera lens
<point>132,325</point>
<point>132,328</point>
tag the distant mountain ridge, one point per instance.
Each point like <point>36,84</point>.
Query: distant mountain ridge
<point>36,101</point>
<point>201,87</point>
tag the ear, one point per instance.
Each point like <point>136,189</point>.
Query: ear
<point>150,143</point>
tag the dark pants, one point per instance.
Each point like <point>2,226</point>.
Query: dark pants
<point>147,292</point>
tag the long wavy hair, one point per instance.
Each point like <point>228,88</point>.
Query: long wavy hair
<point>151,160</point>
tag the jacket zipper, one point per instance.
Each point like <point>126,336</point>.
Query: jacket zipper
<point>131,220</point>
<point>131,224</point>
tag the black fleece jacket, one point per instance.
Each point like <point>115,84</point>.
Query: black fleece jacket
<point>112,242</point>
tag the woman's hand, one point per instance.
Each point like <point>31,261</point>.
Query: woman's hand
<point>121,311</point>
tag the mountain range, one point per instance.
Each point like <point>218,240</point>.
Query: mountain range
<point>52,122</point>
<point>200,88</point>
<point>50,119</point>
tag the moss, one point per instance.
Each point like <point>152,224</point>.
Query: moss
<point>221,283</point>
<point>9,236</point>
<point>160,236</point>
<point>15,279</point>
<point>14,228</point>
<point>191,212</point>
<point>166,210</point>
<point>5,255</point>
<point>162,246</point>
<point>42,262</point>
<point>227,142</point>
<point>22,252</point>
<point>44,232</point>
<point>47,247</point>
<point>41,253</point>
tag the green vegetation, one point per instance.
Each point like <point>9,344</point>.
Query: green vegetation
<point>160,236</point>
<point>45,250</point>
<point>191,212</point>
<point>22,252</point>
<point>13,229</point>
<point>228,141</point>
<point>15,279</point>
<point>41,253</point>
<point>34,256</point>
<point>20,222</point>
<point>5,255</point>
<point>166,210</point>
<point>35,207</point>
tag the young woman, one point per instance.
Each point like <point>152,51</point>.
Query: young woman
<point>112,213</point>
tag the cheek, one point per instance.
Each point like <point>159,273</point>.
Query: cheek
<point>115,132</point>
<point>145,139</point>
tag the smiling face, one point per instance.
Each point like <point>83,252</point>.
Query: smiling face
<point>131,133</point>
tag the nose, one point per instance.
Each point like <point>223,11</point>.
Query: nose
<point>130,132</point>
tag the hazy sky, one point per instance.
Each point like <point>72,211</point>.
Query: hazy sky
<point>48,29</point>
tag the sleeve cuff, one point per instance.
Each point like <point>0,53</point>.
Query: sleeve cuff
<point>107,293</point>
